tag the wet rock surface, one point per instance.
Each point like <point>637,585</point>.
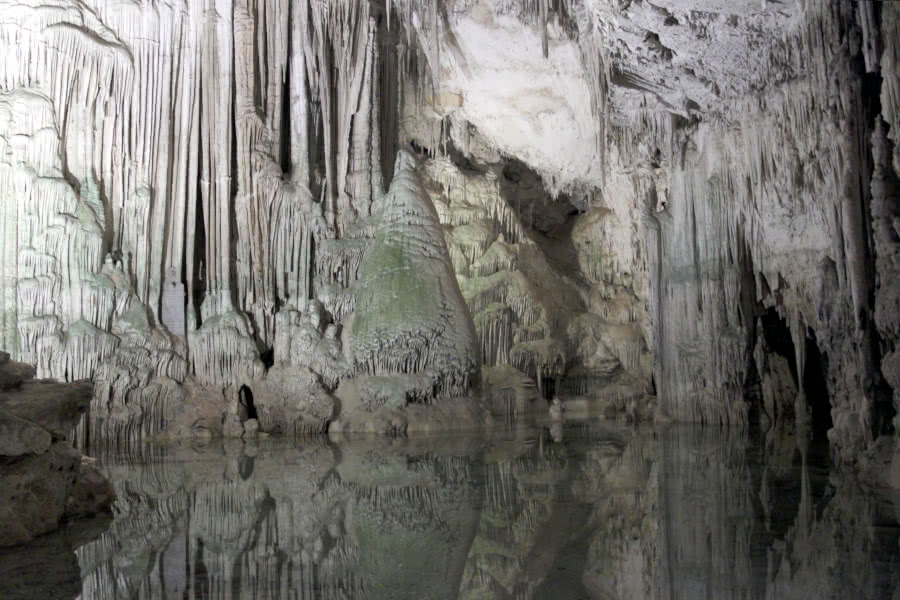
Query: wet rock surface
<point>43,478</point>
<point>48,567</point>
<point>12,373</point>
<point>18,437</point>
<point>35,489</point>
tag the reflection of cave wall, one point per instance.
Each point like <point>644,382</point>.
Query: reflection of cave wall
<point>707,515</point>
<point>739,519</point>
<point>609,511</point>
<point>290,525</point>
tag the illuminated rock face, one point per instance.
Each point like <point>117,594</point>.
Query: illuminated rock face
<point>742,226</point>
<point>168,171</point>
<point>632,196</point>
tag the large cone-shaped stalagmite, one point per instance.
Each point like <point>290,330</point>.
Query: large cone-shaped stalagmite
<point>410,315</point>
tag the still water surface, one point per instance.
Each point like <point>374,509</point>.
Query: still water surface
<point>582,510</point>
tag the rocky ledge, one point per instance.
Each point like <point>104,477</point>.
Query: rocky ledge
<point>43,479</point>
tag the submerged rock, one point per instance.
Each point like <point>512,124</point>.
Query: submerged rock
<point>91,493</point>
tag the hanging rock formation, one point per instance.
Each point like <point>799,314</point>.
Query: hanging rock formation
<point>546,296</point>
<point>737,183</point>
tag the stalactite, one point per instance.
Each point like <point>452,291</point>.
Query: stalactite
<point>137,141</point>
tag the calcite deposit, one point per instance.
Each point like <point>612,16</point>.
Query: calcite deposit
<point>679,209</point>
<point>410,316</point>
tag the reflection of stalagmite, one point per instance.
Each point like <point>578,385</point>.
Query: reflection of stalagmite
<point>520,494</point>
<point>611,512</point>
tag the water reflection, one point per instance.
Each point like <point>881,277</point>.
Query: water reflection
<point>591,511</point>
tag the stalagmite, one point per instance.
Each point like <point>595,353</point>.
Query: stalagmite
<point>409,314</point>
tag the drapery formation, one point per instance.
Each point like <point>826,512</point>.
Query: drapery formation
<point>204,145</point>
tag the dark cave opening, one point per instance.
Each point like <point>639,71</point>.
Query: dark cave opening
<point>778,338</point>
<point>524,190</point>
<point>463,162</point>
<point>268,357</point>
<point>198,287</point>
<point>753,394</point>
<point>769,406</point>
<point>246,407</point>
<point>548,387</point>
<point>284,140</point>
<point>419,149</point>
<point>815,387</point>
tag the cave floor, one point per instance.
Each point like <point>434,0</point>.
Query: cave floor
<point>573,509</point>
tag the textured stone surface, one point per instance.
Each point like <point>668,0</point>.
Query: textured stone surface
<point>410,316</point>
<point>292,400</point>
<point>34,491</point>
<point>42,477</point>
<point>57,407</point>
<point>546,289</point>
<point>91,493</point>
<point>18,437</point>
<point>12,373</point>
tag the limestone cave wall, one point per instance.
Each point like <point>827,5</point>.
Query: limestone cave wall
<point>677,210</point>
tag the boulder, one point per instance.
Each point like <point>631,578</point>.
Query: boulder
<point>43,479</point>
<point>18,437</point>
<point>57,407</point>
<point>33,492</point>
<point>91,493</point>
<point>12,373</point>
<point>292,400</point>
